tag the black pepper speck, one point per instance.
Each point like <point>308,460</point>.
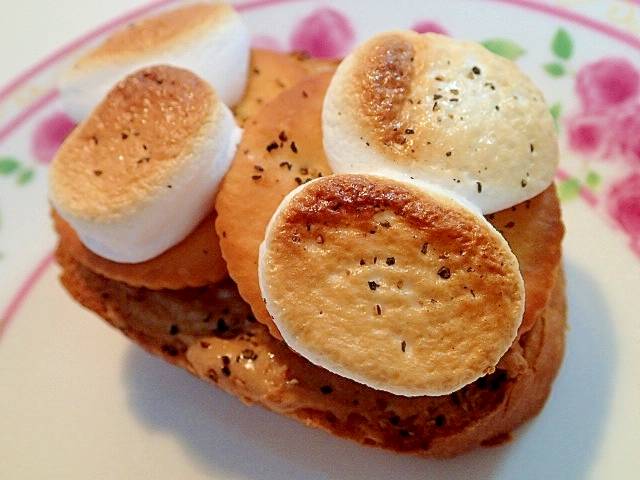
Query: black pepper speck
<point>444,273</point>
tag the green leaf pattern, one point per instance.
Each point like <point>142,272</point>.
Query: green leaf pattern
<point>555,69</point>
<point>569,189</point>
<point>562,45</point>
<point>562,49</point>
<point>8,165</point>
<point>559,66</point>
<point>504,48</point>
<point>12,167</point>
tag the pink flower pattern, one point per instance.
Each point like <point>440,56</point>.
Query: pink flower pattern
<point>326,33</point>
<point>626,130</point>
<point>606,128</point>
<point>607,84</point>
<point>623,204</point>
<point>428,26</point>
<point>49,135</point>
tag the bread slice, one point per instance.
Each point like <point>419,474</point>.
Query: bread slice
<point>211,332</point>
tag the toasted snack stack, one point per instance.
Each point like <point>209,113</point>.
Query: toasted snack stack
<point>388,269</point>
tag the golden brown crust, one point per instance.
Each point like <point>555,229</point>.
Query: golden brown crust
<point>382,82</point>
<point>194,262</point>
<point>211,333</point>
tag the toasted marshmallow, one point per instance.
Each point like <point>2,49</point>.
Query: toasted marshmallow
<point>447,111</point>
<point>395,285</point>
<point>138,175</point>
<point>209,39</point>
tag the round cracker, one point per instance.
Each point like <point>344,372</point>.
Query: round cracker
<point>195,261</point>
<point>272,72</point>
<point>278,152</point>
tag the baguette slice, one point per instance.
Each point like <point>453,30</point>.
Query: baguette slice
<point>211,333</point>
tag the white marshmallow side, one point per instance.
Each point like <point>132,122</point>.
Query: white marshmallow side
<point>221,58</point>
<point>492,136</point>
<point>170,215</point>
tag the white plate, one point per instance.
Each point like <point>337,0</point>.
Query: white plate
<point>77,400</point>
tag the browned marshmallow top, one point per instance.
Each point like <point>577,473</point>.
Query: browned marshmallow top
<point>442,110</point>
<point>158,33</point>
<point>391,285</point>
<point>137,140</point>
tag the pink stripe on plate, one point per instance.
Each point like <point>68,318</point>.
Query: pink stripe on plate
<point>9,314</point>
<point>23,116</point>
<point>578,19</point>
<point>78,43</point>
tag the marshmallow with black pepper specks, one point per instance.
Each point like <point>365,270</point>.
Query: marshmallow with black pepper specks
<point>209,39</point>
<point>142,170</point>
<point>447,111</point>
<point>396,285</point>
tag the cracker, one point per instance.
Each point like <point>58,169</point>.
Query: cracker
<point>535,230</point>
<point>281,148</point>
<point>270,73</point>
<point>195,261</point>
